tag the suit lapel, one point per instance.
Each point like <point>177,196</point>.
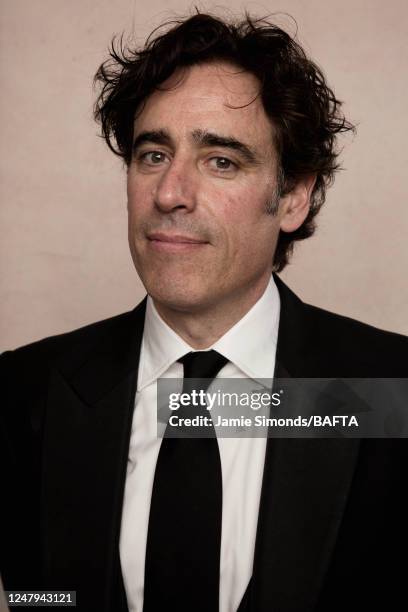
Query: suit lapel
<point>86,439</point>
<point>304,491</point>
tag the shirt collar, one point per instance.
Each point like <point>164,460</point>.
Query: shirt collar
<point>250,344</point>
<point>161,347</point>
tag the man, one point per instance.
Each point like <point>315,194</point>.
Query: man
<point>229,133</point>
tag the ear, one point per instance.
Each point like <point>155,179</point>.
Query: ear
<point>295,205</point>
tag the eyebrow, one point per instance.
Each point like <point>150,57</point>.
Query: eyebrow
<point>201,137</point>
<point>209,139</point>
<point>160,137</point>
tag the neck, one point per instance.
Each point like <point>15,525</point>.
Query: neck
<point>201,328</point>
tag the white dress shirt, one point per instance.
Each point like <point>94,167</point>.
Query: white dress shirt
<point>250,347</point>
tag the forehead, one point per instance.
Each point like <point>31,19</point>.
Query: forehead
<point>218,97</point>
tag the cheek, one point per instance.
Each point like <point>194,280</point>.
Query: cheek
<point>244,210</point>
<point>138,198</point>
<point>252,232</point>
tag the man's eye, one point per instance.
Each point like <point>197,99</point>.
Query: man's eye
<point>222,164</point>
<point>152,157</point>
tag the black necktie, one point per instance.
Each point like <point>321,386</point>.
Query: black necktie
<point>184,535</point>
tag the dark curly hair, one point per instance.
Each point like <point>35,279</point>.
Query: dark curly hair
<point>294,92</point>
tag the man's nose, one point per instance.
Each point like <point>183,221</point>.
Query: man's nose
<point>177,187</point>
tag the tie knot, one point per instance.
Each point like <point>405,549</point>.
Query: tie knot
<point>202,364</point>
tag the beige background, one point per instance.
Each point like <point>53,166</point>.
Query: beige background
<point>64,254</point>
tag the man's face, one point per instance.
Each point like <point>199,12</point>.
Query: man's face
<point>204,170</point>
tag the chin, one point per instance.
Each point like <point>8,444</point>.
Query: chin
<point>180,296</point>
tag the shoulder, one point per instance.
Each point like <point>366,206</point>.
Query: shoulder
<point>376,352</point>
<point>30,363</point>
<point>25,372</point>
<point>51,347</point>
<point>317,342</point>
<point>345,328</point>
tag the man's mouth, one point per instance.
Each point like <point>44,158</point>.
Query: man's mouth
<point>162,241</point>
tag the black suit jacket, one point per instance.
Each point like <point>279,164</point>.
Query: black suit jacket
<point>332,528</point>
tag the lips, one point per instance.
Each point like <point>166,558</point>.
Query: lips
<point>175,238</point>
<point>169,244</point>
